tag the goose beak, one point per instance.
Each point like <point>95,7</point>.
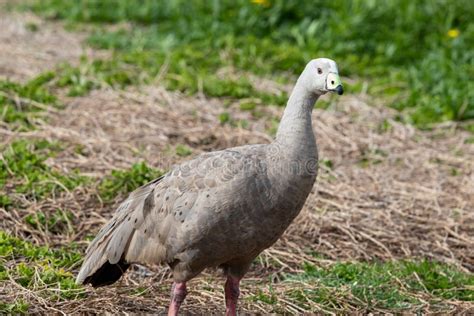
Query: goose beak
<point>333,83</point>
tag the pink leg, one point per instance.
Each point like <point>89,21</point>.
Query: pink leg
<point>232,292</point>
<point>178,294</point>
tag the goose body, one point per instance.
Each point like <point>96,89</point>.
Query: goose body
<point>220,209</point>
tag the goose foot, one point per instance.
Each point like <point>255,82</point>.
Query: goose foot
<point>178,294</point>
<point>232,293</point>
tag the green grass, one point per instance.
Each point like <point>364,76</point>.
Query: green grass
<point>269,298</point>
<point>403,48</point>
<point>17,307</point>
<point>38,267</point>
<point>121,182</point>
<point>23,170</point>
<point>127,68</point>
<point>93,74</point>
<point>54,222</point>
<point>395,285</point>
<point>183,150</point>
<point>21,104</point>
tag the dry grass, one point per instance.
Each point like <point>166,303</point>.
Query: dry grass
<point>31,46</point>
<point>386,190</point>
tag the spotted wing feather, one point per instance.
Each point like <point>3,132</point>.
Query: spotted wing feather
<point>149,227</point>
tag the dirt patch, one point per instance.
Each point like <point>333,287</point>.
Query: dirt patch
<point>31,46</point>
<point>118,128</point>
<point>391,191</point>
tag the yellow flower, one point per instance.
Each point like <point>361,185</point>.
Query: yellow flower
<point>453,33</point>
<point>263,3</point>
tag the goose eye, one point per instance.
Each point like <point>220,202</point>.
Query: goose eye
<point>320,71</point>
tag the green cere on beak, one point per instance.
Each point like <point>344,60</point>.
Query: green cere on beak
<point>333,83</point>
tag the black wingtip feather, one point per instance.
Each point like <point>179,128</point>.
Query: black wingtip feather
<point>107,274</point>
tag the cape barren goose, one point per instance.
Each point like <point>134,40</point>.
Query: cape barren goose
<point>220,209</point>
